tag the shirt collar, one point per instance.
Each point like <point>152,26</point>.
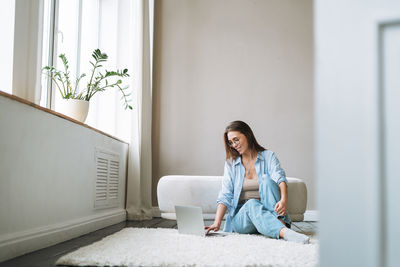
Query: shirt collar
<point>239,159</point>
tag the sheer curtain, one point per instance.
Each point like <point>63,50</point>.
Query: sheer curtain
<point>139,203</point>
<point>27,49</point>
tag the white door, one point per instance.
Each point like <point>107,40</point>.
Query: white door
<point>357,111</point>
<point>390,89</point>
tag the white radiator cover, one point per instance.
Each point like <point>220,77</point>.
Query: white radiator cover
<point>48,177</point>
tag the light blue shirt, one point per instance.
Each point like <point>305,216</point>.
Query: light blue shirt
<point>267,167</point>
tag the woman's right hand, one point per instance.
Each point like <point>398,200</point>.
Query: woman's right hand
<point>218,218</point>
<point>214,227</point>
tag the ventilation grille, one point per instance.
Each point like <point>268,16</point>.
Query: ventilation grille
<point>107,179</point>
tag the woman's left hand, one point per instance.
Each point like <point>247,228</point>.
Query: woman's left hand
<point>280,208</point>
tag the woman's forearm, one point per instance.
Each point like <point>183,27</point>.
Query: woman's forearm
<point>221,209</point>
<point>284,194</point>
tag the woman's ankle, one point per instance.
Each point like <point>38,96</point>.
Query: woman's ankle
<point>290,235</point>
<point>282,232</point>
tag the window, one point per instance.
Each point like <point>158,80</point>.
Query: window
<point>75,28</point>
<point>7,15</point>
<point>47,53</point>
<point>34,33</point>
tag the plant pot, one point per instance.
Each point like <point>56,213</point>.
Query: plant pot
<point>74,108</point>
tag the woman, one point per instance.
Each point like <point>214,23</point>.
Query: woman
<point>254,189</point>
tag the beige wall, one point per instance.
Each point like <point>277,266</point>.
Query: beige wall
<point>217,61</point>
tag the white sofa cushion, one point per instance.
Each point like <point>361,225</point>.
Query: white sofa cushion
<point>203,191</point>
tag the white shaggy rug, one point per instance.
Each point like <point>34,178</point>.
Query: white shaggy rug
<point>166,247</point>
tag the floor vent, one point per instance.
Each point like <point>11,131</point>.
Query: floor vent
<point>107,179</point>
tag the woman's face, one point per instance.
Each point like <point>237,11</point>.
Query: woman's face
<point>237,141</point>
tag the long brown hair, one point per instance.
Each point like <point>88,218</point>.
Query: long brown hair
<point>242,127</point>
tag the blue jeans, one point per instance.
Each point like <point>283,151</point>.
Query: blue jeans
<point>258,216</point>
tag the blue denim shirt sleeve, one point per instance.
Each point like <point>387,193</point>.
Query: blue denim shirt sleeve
<point>275,171</point>
<point>226,194</point>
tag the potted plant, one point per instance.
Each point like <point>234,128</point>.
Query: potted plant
<point>75,102</point>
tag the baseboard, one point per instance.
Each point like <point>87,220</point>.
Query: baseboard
<point>311,216</point>
<point>16,244</point>
<point>155,211</point>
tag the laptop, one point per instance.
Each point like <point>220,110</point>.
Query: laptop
<point>190,221</point>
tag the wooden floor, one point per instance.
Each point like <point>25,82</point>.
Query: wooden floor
<point>48,256</point>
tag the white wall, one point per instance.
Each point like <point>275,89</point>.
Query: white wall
<point>217,61</point>
<point>47,179</point>
<point>349,163</point>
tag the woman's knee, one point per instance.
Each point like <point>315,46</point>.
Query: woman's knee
<point>272,186</point>
<point>251,204</point>
<point>271,182</point>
